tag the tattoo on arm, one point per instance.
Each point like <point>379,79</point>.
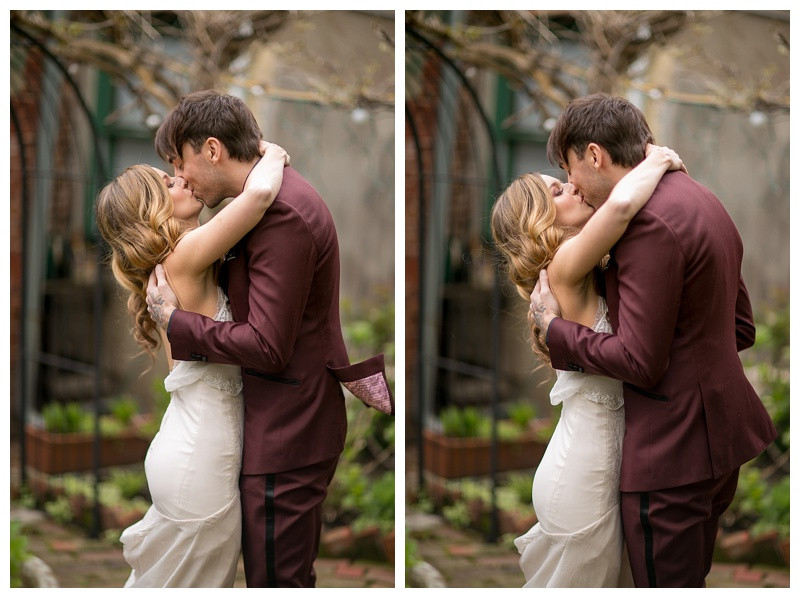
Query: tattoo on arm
<point>538,315</point>
<point>156,309</point>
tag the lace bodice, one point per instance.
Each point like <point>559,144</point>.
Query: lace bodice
<point>224,377</point>
<point>601,321</point>
<point>599,389</point>
<point>224,313</point>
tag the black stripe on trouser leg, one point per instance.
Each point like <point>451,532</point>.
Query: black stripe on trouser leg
<point>269,547</point>
<point>644,517</point>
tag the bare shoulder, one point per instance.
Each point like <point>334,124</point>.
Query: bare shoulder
<point>196,291</point>
<point>578,302</point>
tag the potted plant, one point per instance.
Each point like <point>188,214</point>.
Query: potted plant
<point>122,496</point>
<point>65,441</point>
<point>463,446</point>
<point>121,500</point>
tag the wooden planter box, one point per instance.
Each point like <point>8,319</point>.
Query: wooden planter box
<point>59,453</point>
<point>462,457</point>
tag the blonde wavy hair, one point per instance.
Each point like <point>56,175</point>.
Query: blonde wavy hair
<point>526,234</point>
<point>134,214</point>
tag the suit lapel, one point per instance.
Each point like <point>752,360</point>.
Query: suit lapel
<point>612,291</point>
<point>235,282</point>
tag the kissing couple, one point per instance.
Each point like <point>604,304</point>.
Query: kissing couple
<point>633,270</point>
<point>247,306</point>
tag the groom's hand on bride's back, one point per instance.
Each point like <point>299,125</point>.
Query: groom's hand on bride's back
<point>161,300</point>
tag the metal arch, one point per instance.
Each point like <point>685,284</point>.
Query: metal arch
<point>421,232</point>
<point>473,95</point>
<point>100,174</point>
<point>495,306</point>
<point>78,95</point>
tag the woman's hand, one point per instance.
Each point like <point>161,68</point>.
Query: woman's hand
<point>675,162</point>
<point>267,175</point>
<point>263,146</point>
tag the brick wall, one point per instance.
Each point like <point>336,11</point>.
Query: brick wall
<point>422,107</point>
<point>25,107</point>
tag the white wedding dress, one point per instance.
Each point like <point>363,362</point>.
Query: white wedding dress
<point>191,535</point>
<point>578,541</point>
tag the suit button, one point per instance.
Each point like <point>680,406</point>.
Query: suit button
<point>197,357</point>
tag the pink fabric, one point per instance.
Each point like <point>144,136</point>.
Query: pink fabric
<point>373,391</point>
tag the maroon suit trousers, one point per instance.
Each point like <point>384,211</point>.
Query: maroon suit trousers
<point>670,534</point>
<point>281,522</point>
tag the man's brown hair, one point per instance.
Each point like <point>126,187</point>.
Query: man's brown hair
<point>611,122</point>
<point>203,114</point>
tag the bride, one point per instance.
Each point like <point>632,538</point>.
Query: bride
<point>539,222</point>
<point>191,535</point>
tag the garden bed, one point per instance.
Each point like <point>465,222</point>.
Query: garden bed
<point>54,453</point>
<point>451,457</point>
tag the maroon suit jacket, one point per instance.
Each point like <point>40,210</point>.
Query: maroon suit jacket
<point>681,313</point>
<point>283,285</point>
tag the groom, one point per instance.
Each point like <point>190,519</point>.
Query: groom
<point>680,312</point>
<point>283,286</point>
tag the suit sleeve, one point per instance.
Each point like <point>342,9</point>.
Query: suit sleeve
<point>650,273</point>
<point>281,262</point>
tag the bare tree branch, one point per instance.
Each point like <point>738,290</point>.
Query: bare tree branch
<point>528,49</point>
<point>160,55</point>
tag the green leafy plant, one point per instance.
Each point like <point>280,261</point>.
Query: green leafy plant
<point>509,431</point>
<point>73,418</point>
<point>545,431</point>
<point>109,426</point>
<point>18,552</point>
<point>522,413</point>
<point>78,485</point>
<point>762,497</point>
<point>469,422</point>
<point>772,351</point>
<point>26,498</point>
<point>509,499</point>
<point>412,555</point>
<point>130,482</point>
<point>376,507</point>
<point>124,489</point>
<point>457,515</point>
<point>161,400</point>
<point>760,504</point>
<point>371,330</point>
<point>346,491</point>
<point>66,418</point>
<point>123,409</point>
<point>425,503</point>
<point>472,490</point>
<point>465,422</point>
<point>362,500</point>
<point>59,509</point>
<point>521,486</point>
<point>362,491</point>
<point>774,509</point>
